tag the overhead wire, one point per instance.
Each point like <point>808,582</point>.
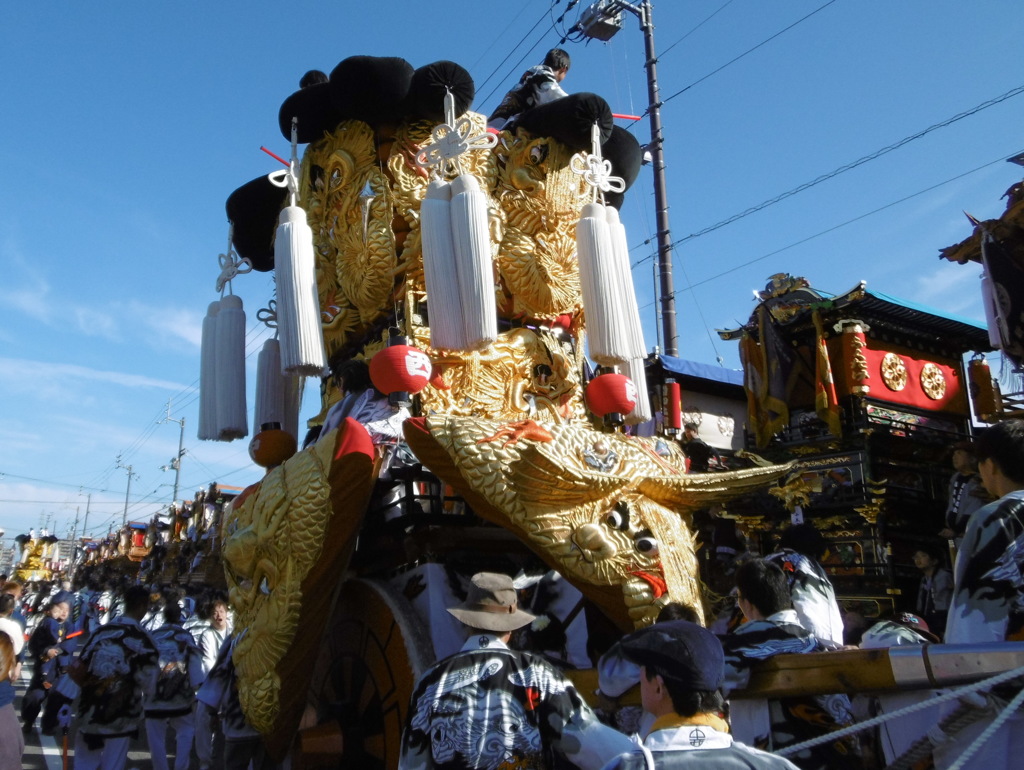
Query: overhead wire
<point>836,172</point>
<point>833,228</point>
<point>701,24</point>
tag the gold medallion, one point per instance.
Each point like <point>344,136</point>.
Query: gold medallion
<point>894,372</point>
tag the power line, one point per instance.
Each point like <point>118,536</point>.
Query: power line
<point>747,52</point>
<point>802,241</point>
<point>701,24</point>
<point>516,46</point>
<point>842,169</point>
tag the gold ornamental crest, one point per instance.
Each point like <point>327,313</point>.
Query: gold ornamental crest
<point>894,372</point>
<point>933,381</point>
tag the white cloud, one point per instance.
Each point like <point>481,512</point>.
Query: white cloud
<point>955,288</point>
<point>24,369</point>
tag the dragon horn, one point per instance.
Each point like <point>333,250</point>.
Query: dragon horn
<point>699,490</point>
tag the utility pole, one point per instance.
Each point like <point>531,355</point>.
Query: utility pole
<point>601,21</point>
<point>85,524</point>
<point>176,462</point>
<point>124,517</point>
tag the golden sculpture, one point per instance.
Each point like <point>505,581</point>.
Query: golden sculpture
<point>540,198</point>
<point>609,511</point>
<point>271,540</point>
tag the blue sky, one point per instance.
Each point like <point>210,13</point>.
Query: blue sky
<point>124,127</point>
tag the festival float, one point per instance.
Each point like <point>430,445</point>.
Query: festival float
<point>483,277</point>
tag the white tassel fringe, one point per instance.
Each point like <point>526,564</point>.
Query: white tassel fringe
<point>299,329</point>
<point>473,261</point>
<point>440,273</point>
<point>208,376</point>
<point>230,370</point>
<point>634,369</point>
<point>602,298</point>
<point>269,387</point>
<point>624,282</point>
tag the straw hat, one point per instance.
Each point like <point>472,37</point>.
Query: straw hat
<point>492,604</point>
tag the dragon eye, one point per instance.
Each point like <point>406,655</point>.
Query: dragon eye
<point>614,520</point>
<point>647,546</point>
<point>538,153</point>
<point>619,517</point>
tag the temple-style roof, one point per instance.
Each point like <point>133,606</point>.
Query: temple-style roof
<point>791,302</point>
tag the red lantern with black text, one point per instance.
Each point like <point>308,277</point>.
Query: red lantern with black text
<point>400,368</point>
<point>611,394</point>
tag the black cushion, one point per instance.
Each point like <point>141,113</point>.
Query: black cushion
<point>253,209</point>
<point>372,89</point>
<point>569,120</point>
<point>314,109</point>
<point>623,150</point>
<point>429,84</point>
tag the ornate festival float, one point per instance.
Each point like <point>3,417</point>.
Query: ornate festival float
<point>483,277</point>
<point>479,274</point>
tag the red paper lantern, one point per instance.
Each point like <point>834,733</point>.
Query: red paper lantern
<point>608,393</point>
<point>400,368</point>
<point>674,417</point>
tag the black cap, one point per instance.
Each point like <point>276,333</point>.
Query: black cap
<point>680,650</point>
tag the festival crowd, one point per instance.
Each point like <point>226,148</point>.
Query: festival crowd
<point>133,656</point>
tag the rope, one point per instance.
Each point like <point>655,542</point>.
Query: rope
<point>989,731</point>
<point>874,721</point>
<point>966,715</point>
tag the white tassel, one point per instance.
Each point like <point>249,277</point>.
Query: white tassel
<point>624,282</point>
<point>602,297</point>
<point>230,368</point>
<point>269,386</point>
<point>988,301</point>
<point>292,400</point>
<point>302,338</point>
<point>208,376</point>
<point>439,270</point>
<point>634,369</point>
<point>473,263</point>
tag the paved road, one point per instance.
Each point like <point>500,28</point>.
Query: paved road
<point>45,752</point>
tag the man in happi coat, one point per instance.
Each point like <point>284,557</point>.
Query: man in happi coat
<point>488,707</point>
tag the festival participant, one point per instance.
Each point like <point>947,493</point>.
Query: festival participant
<point>12,742</point>
<point>538,85</point>
<point>171,704</point>
<point>49,656</point>
<point>988,582</point>
<point>211,640</point>
<point>681,673</point>
<point>966,494</point>
<point>363,403</point>
<point>772,627</point>
<point>117,669</point>
<point>488,706</point>
<point>9,625</point>
<point>698,453</point>
<point>801,548</point>
<point>935,589</point>
<point>988,585</point>
<point>14,588</point>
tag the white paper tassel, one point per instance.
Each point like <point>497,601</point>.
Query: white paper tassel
<point>269,387</point>
<point>602,297</point>
<point>988,301</point>
<point>634,369</point>
<point>439,270</point>
<point>292,400</point>
<point>302,339</point>
<point>624,281</point>
<point>232,420</point>
<point>473,262</point>
<point>208,376</point>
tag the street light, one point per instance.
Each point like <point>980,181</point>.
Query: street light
<point>601,21</point>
